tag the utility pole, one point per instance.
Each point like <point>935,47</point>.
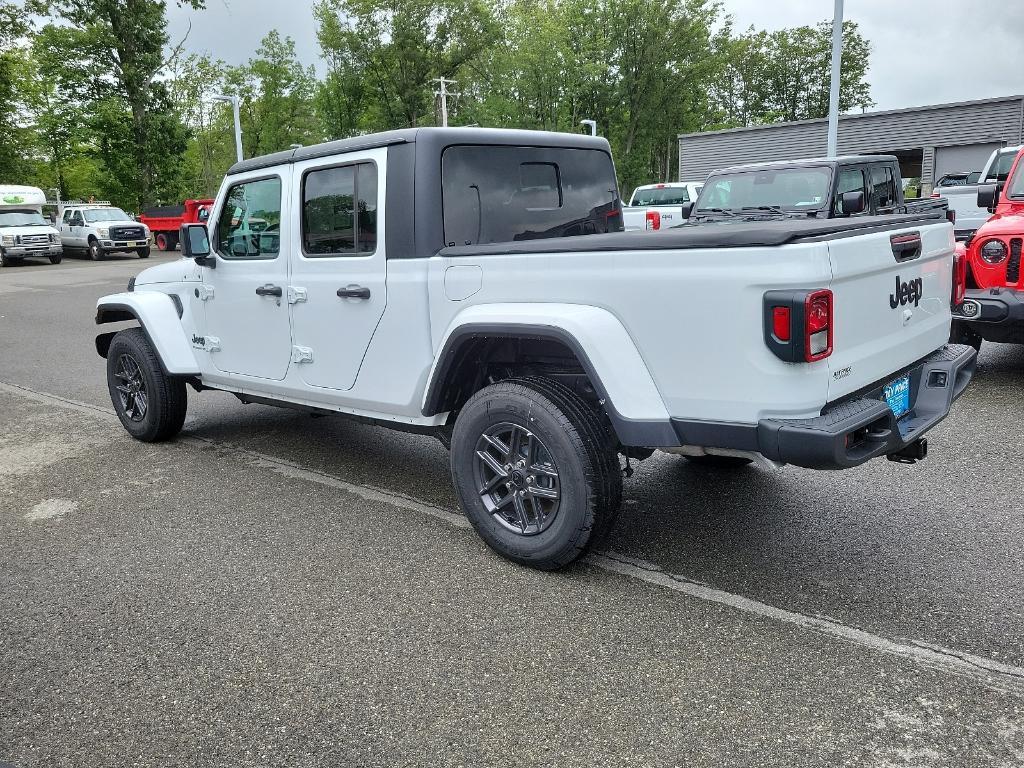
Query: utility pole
<point>444,93</point>
<point>833,94</point>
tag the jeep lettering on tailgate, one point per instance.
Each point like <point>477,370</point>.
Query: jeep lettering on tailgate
<point>906,293</point>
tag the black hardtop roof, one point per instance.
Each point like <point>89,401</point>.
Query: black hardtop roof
<point>807,163</point>
<point>436,137</point>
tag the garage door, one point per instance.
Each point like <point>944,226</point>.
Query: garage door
<point>968,157</point>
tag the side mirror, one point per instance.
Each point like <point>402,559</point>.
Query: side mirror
<point>687,209</point>
<point>853,202</point>
<point>987,194</point>
<point>195,244</point>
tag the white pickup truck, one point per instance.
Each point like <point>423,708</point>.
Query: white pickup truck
<point>476,285</point>
<point>660,206</point>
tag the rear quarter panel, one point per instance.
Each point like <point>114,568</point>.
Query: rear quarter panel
<point>694,316</point>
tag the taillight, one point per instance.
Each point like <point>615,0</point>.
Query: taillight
<point>781,323</point>
<point>959,279</point>
<point>653,220</point>
<point>818,326</point>
<point>798,325</point>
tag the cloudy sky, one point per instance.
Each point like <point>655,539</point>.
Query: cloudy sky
<point>925,51</point>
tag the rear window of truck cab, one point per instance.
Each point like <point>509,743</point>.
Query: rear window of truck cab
<point>494,194</point>
<point>791,189</point>
<point>661,196</point>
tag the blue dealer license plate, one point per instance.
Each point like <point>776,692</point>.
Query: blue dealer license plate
<point>897,395</point>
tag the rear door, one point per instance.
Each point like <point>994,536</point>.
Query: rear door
<point>891,302</point>
<point>339,288</point>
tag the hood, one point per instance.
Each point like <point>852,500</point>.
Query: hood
<point>35,229</point>
<point>1008,221</point>
<point>182,270</point>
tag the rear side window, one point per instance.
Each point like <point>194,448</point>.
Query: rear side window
<point>884,186</point>
<point>339,211</point>
<point>502,194</point>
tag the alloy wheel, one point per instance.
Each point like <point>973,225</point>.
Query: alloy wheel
<point>132,388</point>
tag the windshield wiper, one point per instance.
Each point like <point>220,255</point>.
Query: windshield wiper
<point>726,211</point>
<point>767,208</point>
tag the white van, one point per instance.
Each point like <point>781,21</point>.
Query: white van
<point>24,231</point>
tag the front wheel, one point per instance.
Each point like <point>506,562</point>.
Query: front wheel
<point>150,404</point>
<point>535,471</point>
<point>96,252</point>
<point>57,259</point>
<point>143,252</point>
<point>7,261</point>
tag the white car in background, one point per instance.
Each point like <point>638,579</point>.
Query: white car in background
<point>660,206</point>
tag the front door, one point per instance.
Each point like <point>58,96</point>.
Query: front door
<point>338,277</point>
<point>247,324</point>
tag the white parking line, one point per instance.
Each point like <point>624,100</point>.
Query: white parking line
<point>987,672</point>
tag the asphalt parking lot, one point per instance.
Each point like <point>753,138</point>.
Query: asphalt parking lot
<point>272,589</point>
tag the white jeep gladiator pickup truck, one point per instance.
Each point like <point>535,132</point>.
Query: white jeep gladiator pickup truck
<point>475,284</point>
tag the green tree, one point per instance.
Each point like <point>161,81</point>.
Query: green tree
<point>14,25</point>
<point>121,45</point>
<point>398,47</point>
<point>277,97</point>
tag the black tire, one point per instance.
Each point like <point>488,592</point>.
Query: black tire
<point>579,453</point>
<point>166,402</point>
<point>172,241</point>
<point>162,242</point>
<point>143,252</point>
<point>7,261</point>
<point>719,462</point>
<point>57,259</point>
<point>95,250</point>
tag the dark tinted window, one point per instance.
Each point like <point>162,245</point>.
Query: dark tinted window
<point>339,210</point>
<point>660,196</point>
<point>884,186</point>
<point>500,194</point>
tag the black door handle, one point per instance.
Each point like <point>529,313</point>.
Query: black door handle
<point>270,290</point>
<point>354,292</point>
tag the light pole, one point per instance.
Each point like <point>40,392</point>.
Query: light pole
<point>837,63</point>
<point>234,101</point>
<point>592,124</point>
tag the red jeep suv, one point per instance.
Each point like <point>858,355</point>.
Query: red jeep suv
<point>993,308</point>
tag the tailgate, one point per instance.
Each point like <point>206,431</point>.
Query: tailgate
<point>892,302</point>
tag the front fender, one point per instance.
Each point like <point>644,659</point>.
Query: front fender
<point>158,316</point>
<point>600,343</point>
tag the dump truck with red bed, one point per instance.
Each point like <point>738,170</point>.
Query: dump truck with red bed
<point>165,222</point>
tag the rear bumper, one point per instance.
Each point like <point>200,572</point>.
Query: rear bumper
<point>995,314</point>
<point>852,431</point>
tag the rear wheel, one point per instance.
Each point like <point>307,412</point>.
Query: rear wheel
<point>95,250</point>
<point>535,472</point>
<point>150,404</point>
<point>163,242</point>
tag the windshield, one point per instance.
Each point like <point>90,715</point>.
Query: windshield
<point>1001,167</point>
<point>1016,186</point>
<point>106,214</point>
<point>790,189</point>
<point>27,218</point>
<point>661,196</point>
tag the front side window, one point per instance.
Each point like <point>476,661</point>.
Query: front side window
<point>250,221</point>
<point>339,210</point>
<point>884,186</point>
<point>503,194</point>
<point>1015,187</point>
<point>1001,168</point>
<point>850,180</point>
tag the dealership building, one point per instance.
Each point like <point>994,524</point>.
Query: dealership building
<point>929,141</point>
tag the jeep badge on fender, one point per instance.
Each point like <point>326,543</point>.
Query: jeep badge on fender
<point>906,293</point>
